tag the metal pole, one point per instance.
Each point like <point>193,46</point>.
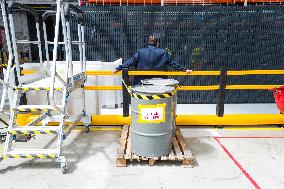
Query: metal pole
<point>53,68</point>
<point>222,92</point>
<point>84,49</point>
<point>70,52</point>
<point>10,50</point>
<point>126,96</point>
<point>80,47</point>
<point>39,45</point>
<point>14,42</point>
<point>46,45</point>
<point>66,46</point>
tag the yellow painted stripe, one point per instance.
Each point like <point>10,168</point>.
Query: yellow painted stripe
<point>156,97</point>
<point>37,132</point>
<point>40,156</point>
<point>28,155</point>
<point>134,95</point>
<point>90,72</point>
<point>26,72</point>
<point>251,87</point>
<point>48,132</point>
<point>256,72</point>
<point>51,155</point>
<point>103,87</point>
<point>179,73</point>
<point>197,88</point>
<point>144,97</point>
<point>16,156</point>
<point>167,96</point>
<point>194,120</point>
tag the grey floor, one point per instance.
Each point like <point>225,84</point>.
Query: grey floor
<point>92,163</point>
<point>244,159</point>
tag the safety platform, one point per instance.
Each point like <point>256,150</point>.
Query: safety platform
<point>180,151</point>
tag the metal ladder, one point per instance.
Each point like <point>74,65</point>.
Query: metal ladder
<point>51,83</point>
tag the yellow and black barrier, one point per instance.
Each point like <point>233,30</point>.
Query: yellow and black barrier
<point>153,97</point>
<point>29,155</point>
<point>32,109</point>
<point>32,132</point>
<point>36,88</point>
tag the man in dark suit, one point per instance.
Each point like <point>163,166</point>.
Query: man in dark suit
<point>151,58</point>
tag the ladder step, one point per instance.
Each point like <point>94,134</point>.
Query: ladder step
<point>34,108</point>
<point>24,88</point>
<point>42,84</point>
<point>28,42</point>
<point>34,130</point>
<point>41,153</point>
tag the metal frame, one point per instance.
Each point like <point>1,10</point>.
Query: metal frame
<point>67,85</point>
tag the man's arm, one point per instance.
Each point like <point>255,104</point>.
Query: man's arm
<point>172,63</point>
<point>130,62</point>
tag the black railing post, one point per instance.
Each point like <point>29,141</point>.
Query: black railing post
<point>126,96</point>
<point>222,93</point>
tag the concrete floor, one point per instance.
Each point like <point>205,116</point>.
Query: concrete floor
<point>224,158</point>
<point>92,163</point>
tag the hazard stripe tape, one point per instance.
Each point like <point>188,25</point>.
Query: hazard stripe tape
<point>32,132</point>
<point>4,65</point>
<point>153,97</point>
<point>41,156</point>
<point>146,97</point>
<point>33,109</point>
<point>37,88</point>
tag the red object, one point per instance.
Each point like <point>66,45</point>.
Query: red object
<point>278,94</point>
<point>82,2</point>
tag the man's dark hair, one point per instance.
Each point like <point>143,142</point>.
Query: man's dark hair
<point>152,40</point>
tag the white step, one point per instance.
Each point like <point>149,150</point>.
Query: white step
<point>35,130</point>
<point>31,153</point>
<point>30,78</point>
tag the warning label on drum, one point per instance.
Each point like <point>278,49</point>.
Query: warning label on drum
<point>152,113</point>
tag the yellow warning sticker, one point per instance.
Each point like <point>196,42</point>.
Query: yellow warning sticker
<point>152,113</point>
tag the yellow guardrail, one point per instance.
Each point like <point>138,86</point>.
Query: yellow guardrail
<point>179,73</point>
<point>196,88</point>
<point>186,88</point>
<point>192,120</point>
<point>103,88</point>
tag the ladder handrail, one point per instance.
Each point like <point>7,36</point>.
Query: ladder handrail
<point>10,58</point>
<point>11,7</point>
<point>67,12</point>
<point>63,12</point>
<point>44,17</point>
<point>47,14</point>
<point>53,66</point>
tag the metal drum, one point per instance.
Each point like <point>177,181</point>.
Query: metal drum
<point>151,120</point>
<point>165,82</point>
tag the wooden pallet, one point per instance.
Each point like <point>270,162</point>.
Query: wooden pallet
<point>180,151</point>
